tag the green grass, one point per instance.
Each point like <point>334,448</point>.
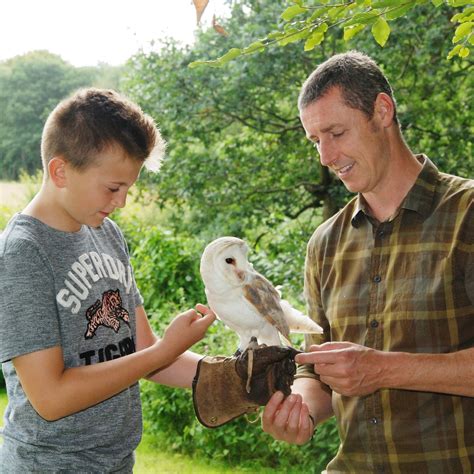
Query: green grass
<point>149,459</point>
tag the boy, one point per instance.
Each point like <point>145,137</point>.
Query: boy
<point>74,337</point>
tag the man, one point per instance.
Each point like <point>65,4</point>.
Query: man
<point>391,280</point>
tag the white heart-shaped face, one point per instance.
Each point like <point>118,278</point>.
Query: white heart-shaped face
<point>224,264</point>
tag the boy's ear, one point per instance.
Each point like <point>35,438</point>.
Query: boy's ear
<point>57,171</point>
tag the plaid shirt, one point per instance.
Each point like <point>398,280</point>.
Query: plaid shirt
<point>405,285</point>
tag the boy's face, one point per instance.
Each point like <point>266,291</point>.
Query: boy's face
<point>92,194</point>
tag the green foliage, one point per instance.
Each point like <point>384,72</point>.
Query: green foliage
<point>238,162</point>
<point>166,268</point>
<point>309,21</point>
<point>237,156</point>
<point>30,87</point>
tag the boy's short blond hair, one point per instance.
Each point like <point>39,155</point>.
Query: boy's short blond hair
<point>82,125</point>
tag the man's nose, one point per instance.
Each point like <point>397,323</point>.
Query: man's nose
<point>326,152</point>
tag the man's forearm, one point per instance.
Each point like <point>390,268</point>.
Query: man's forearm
<point>451,373</point>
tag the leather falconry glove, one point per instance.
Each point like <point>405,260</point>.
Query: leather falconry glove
<point>227,387</point>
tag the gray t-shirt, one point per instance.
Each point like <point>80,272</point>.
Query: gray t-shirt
<point>74,290</point>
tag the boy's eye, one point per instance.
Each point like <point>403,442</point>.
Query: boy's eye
<point>338,134</point>
<point>113,190</point>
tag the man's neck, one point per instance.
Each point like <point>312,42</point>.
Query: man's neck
<point>387,199</point>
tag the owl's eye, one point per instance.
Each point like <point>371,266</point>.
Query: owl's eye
<point>230,261</point>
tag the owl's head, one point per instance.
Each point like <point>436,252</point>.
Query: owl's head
<point>224,263</point>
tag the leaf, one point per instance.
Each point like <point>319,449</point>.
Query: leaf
<point>351,31</point>
<point>464,52</point>
<point>459,3</point>
<point>398,12</point>
<point>219,62</point>
<point>218,28</point>
<point>437,3</point>
<point>275,35</point>
<point>316,37</point>
<point>466,15</point>
<point>462,31</point>
<point>291,12</point>
<point>381,31</point>
<point>294,35</point>
<point>362,18</point>
<point>334,12</point>
<point>318,13</point>
<point>386,3</point>
<point>200,6</point>
<point>254,47</point>
<point>454,51</point>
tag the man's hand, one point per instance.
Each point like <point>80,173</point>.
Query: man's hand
<point>349,369</point>
<point>287,419</point>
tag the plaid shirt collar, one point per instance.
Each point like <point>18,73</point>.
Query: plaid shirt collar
<point>419,199</point>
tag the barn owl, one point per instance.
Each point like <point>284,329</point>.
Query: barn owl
<point>245,300</point>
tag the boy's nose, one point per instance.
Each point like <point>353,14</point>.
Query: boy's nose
<point>120,199</point>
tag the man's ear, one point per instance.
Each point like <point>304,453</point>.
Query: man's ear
<point>57,171</point>
<point>384,108</point>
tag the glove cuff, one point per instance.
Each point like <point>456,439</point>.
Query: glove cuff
<point>219,393</point>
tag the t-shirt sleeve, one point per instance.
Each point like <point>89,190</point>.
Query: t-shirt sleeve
<point>28,312</point>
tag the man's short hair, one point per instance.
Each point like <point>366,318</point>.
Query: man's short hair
<point>358,77</point>
<point>89,121</point>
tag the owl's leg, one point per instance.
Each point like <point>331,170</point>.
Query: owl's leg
<point>270,337</point>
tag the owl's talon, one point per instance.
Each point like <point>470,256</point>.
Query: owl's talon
<point>253,343</point>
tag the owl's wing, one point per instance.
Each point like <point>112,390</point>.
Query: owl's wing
<point>264,297</point>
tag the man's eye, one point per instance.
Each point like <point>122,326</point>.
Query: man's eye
<point>113,190</point>
<point>230,261</point>
<point>337,134</point>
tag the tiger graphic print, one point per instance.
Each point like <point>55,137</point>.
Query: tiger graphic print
<point>107,312</point>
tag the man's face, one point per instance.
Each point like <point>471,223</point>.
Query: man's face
<point>352,146</point>
<point>92,194</point>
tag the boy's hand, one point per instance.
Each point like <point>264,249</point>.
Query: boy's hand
<point>186,329</point>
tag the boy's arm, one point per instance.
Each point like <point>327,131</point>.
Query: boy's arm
<point>56,392</point>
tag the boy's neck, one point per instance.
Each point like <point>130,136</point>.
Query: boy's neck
<point>46,208</point>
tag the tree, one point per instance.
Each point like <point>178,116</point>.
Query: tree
<point>30,87</point>
<point>238,159</point>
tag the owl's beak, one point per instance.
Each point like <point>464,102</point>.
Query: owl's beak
<point>240,274</point>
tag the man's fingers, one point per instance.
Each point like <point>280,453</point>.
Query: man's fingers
<point>271,408</point>
<point>294,416</point>
<point>281,418</point>
<point>319,357</point>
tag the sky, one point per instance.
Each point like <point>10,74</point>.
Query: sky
<point>88,32</point>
